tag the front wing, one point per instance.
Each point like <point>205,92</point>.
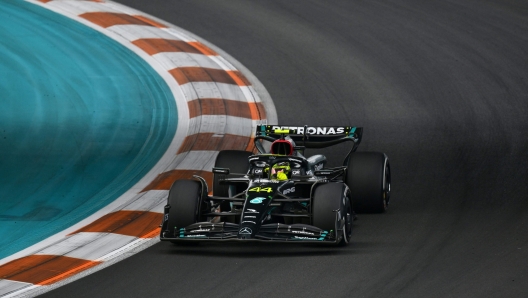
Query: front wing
<point>274,232</point>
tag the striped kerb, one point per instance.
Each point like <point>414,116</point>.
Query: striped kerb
<point>211,142</point>
<point>218,106</point>
<point>184,75</point>
<point>43,269</point>
<point>131,223</point>
<point>154,46</point>
<point>197,107</point>
<point>108,19</point>
<point>165,180</point>
<point>48,269</point>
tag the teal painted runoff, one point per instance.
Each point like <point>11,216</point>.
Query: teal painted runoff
<point>82,119</point>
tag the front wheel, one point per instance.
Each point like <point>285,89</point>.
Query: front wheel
<point>184,201</point>
<point>332,210</point>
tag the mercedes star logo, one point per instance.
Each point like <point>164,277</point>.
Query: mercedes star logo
<point>245,231</point>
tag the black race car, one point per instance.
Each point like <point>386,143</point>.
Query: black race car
<point>279,194</point>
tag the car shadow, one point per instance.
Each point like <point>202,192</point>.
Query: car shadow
<point>261,250</point>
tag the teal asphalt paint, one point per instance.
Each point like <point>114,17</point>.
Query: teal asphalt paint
<point>82,119</point>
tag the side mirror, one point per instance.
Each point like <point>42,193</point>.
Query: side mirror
<point>224,171</point>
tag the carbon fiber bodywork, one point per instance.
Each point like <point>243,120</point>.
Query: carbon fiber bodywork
<point>260,208</point>
<point>267,210</point>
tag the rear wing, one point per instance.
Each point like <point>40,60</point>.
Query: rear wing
<point>310,136</point>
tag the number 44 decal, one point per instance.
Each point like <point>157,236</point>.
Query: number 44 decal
<point>261,189</point>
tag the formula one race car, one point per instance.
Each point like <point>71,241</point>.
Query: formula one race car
<point>279,194</point>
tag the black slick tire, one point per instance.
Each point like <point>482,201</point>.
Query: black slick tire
<point>327,198</point>
<point>368,177</point>
<point>184,200</point>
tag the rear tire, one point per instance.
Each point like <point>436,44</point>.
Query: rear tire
<point>327,198</point>
<point>184,200</point>
<point>236,161</point>
<point>368,177</point>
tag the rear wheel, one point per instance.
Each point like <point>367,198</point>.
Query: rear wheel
<point>368,177</point>
<point>236,161</point>
<point>329,199</point>
<point>184,200</point>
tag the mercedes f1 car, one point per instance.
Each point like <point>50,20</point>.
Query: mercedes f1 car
<point>279,194</point>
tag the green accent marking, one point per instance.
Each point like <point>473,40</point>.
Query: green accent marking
<point>282,131</point>
<point>352,131</point>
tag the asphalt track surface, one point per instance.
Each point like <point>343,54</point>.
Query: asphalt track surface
<point>440,86</point>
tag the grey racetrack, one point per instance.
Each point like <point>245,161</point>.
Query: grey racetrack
<point>440,86</point>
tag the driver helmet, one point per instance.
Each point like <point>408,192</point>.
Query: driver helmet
<point>280,171</point>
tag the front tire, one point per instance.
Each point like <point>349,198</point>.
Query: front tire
<point>327,200</point>
<point>368,177</point>
<point>184,200</point>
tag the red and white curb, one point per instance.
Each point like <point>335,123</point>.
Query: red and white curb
<point>219,103</point>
